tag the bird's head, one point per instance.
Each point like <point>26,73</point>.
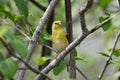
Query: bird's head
<point>56,25</point>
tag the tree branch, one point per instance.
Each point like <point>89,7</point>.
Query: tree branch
<point>12,52</point>
<point>46,51</point>
<point>119,2</point>
<point>71,63</point>
<point>81,73</point>
<point>71,46</point>
<point>111,53</point>
<point>27,37</point>
<point>38,5</point>
<point>119,71</point>
<point>82,15</point>
<point>37,33</point>
<point>100,24</point>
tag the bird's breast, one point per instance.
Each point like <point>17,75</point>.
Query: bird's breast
<point>59,45</point>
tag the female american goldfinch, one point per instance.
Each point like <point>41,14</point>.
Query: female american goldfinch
<point>59,38</point>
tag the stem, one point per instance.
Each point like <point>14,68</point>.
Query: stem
<point>38,5</point>
<point>111,53</point>
<point>68,13</point>
<point>82,15</point>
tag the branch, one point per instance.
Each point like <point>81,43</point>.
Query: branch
<point>12,52</point>
<point>46,51</point>
<point>119,2</point>
<point>89,5</point>
<point>111,53</point>
<point>71,62</point>
<point>81,73</point>
<point>37,33</point>
<point>100,24</point>
<point>82,15</point>
<point>47,46</point>
<point>38,5</point>
<point>119,71</point>
<point>27,37</point>
<point>71,46</point>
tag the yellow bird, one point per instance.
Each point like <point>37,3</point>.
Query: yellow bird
<point>59,38</point>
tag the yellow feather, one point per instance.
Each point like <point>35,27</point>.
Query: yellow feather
<point>60,41</point>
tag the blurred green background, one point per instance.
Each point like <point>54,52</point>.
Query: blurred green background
<point>91,62</point>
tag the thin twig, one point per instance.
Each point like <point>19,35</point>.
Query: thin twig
<point>89,5</point>
<point>81,73</point>
<point>119,71</point>
<point>12,52</point>
<point>27,37</point>
<point>23,33</point>
<point>48,47</point>
<point>100,24</point>
<point>23,69</point>
<point>37,33</point>
<point>111,53</point>
<point>40,6</point>
<point>71,46</point>
<point>82,15</point>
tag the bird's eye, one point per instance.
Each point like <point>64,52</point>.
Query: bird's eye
<point>55,23</point>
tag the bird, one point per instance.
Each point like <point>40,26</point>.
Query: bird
<point>59,39</point>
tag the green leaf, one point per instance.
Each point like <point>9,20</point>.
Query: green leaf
<point>116,52</point>
<point>1,57</point>
<point>45,37</point>
<point>103,54</point>
<point>8,68</point>
<point>59,68</point>
<point>12,67</point>
<point>42,60</point>
<point>3,30</point>
<point>8,14</point>
<point>4,69</point>
<point>20,20</point>
<point>116,62</point>
<point>22,7</point>
<point>107,26</point>
<point>104,3</point>
<point>19,47</point>
<point>116,21</point>
<point>75,52</point>
<point>3,1</point>
<point>12,59</point>
<point>80,59</point>
<point>10,35</point>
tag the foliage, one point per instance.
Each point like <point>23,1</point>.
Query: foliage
<point>42,60</point>
<point>22,6</point>
<point>19,19</point>
<point>59,68</point>
<point>107,26</point>
<point>7,67</point>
